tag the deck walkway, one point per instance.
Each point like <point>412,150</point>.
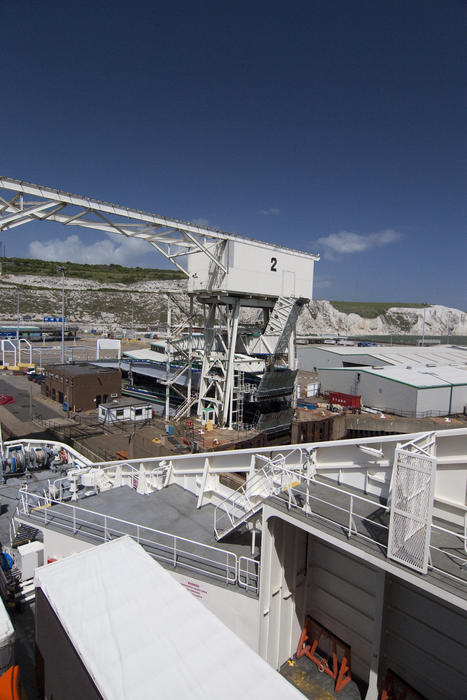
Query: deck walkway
<point>369,530</point>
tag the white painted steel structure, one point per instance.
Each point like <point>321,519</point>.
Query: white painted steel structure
<point>324,511</point>
<point>366,465</point>
<point>229,270</point>
<point>412,491</point>
<point>14,345</point>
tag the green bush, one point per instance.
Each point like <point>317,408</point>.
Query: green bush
<point>99,273</point>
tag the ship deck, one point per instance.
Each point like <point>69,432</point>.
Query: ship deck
<point>329,517</point>
<point>166,523</point>
<point>179,535</point>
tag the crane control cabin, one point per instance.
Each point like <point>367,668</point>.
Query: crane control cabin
<point>225,272</point>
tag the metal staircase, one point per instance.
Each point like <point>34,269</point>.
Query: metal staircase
<point>184,409</point>
<point>281,323</point>
<point>247,500</point>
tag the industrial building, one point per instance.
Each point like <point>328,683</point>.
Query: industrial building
<point>310,357</point>
<point>418,391</point>
<point>81,387</point>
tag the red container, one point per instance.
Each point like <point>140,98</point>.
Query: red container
<point>346,400</point>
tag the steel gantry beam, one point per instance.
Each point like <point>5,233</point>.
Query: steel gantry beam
<point>173,238</point>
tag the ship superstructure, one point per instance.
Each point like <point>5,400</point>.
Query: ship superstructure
<point>364,537</point>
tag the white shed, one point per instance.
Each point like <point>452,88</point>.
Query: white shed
<point>112,623</point>
<point>125,408</point>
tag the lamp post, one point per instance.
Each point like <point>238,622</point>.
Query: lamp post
<point>63,270</point>
<point>423,328</point>
<point>17,314</point>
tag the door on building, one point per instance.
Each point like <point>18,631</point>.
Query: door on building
<point>288,283</point>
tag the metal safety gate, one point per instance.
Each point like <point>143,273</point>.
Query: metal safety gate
<point>413,483</point>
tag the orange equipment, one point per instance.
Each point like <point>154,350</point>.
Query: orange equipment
<point>309,640</point>
<point>11,687</point>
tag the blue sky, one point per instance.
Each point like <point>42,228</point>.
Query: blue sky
<point>330,126</point>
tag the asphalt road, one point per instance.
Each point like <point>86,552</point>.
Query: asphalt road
<point>23,390</point>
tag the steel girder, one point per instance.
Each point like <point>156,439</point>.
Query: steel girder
<point>173,238</point>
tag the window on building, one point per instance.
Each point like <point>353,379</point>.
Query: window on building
<point>138,412</point>
<point>119,412</point>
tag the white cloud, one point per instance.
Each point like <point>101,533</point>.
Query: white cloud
<point>272,211</point>
<point>349,242</point>
<point>322,284</point>
<point>114,249</point>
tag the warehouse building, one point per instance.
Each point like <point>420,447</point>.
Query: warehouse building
<point>310,357</point>
<point>81,387</point>
<point>416,391</point>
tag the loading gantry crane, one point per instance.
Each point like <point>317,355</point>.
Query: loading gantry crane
<point>225,272</point>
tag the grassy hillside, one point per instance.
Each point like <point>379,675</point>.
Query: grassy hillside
<point>99,273</point>
<point>371,309</point>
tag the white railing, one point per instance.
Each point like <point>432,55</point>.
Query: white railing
<point>369,526</point>
<point>173,550</point>
<point>248,574</point>
<point>243,503</point>
<point>129,476</point>
<point>248,498</point>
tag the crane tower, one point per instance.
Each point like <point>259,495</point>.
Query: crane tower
<point>226,272</point>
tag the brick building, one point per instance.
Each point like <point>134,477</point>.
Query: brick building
<point>81,387</point>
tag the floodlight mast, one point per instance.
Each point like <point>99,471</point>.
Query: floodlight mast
<point>225,272</point>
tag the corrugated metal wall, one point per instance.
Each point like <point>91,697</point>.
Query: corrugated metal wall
<point>425,642</point>
<point>423,639</point>
<point>342,595</point>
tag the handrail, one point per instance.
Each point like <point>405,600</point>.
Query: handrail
<point>226,561</point>
<point>248,573</point>
<point>350,526</point>
<point>241,501</point>
<point>241,498</point>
